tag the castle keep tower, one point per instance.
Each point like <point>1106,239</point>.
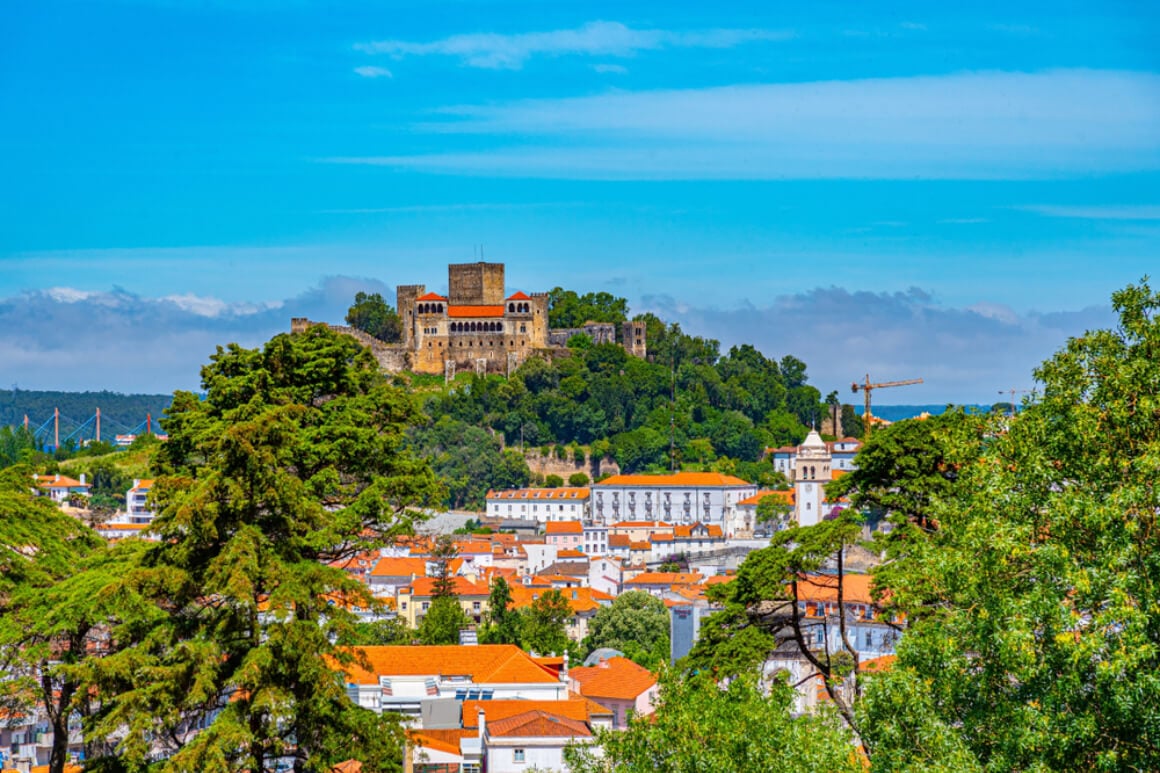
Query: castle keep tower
<point>475,284</point>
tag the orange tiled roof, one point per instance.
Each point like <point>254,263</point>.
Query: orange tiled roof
<point>580,599</point>
<point>699,479</point>
<point>484,663</point>
<point>641,545</point>
<point>474,312</point>
<point>562,492</point>
<point>59,481</point>
<point>874,665</point>
<point>666,578</point>
<point>824,587</point>
<point>400,567</point>
<point>618,541</point>
<point>570,553</point>
<point>563,527</point>
<point>431,297</point>
<point>538,724</point>
<point>787,497</point>
<point>618,678</point>
<point>440,740</point>
<point>519,296</point>
<point>143,485</point>
<point>425,586</point>
<point>495,711</point>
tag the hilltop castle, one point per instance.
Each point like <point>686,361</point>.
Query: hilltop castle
<point>475,327</point>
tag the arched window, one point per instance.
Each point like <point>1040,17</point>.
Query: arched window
<point>511,307</point>
<point>440,309</point>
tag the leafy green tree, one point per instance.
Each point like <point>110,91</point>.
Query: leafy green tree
<point>553,481</point>
<point>578,480</point>
<point>18,446</point>
<point>470,461</point>
<point>444,620</point>
<point>543,623</point>
<point>773,509</point>
<point>380,632</point>
<point>1032,641</point>
<point>442,554</point>
<point>375,317</point>
<point>700,725</point>
<point>852,425</point>
<point>503,622</point>
<point>49,619</point>
<point>637,624</point>
<point>294,459</point>
<point>566,309</point>
<point>768,594</point>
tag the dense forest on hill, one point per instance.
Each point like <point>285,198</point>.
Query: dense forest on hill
<point>119,412</point>
<point>687,404</point>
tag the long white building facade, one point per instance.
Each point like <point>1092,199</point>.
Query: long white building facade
<point>683,497</point>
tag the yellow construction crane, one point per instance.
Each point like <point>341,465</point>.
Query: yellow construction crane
<point>1014,392</point>
<point>867,388</point>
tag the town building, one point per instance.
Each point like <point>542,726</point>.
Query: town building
<point>540,504</point>
<point>566,535</point>
<point>683,497</point>
<point>619,685</point>
<point>414,600</point>
<point>404,678</point>
<point>58,487</point>
<point>842,453</point>
<point>136,509</point>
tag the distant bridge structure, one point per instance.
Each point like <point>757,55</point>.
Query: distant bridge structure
<point>59,429</point>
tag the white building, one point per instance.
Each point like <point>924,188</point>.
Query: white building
<point>539,504</point>
<point>683,497</point>
<point>58,487</point>
<point>842,453</point>
<point>403,678</point>
<point>136,511</point>
<point>811,474</point>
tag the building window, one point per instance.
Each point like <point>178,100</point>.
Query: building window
<point>517,755</point>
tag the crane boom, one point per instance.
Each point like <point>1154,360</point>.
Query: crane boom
<point>867,387</point>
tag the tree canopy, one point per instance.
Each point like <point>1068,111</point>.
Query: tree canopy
<point>375,317</point>
<point>701,725</point>
<point>1034,637</point>
<point>295,458</point>
<point>637,624</point>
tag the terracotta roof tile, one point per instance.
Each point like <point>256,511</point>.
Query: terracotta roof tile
<point>431,297</point>
<point>577,493</point>
<point>484,663</point>
<point>698,479</point>
<point>474,312</point>
<point>538,724</point>
<point>519,296</point>
<point>617,678</point>
<point>425,586</point>
<point>400,567</point>
<point>563,527</point>
<point>666,578</point>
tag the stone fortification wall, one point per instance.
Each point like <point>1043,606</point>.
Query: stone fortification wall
<point>599,332</point>
<point>550,465</point>
<point>391,357</point>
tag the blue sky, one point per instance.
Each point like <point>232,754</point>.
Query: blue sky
<point>901,188</point>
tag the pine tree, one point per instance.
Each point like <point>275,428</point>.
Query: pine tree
<point>294,458</point>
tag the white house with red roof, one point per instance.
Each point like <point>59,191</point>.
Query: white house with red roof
<point>566,503</point>
<point>58,487</point>
<point>683,497</point>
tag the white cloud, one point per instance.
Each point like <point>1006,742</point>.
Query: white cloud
<point>977,125</point>
<point>599,38</point>
<point>373,72</point>
<point>72,339</point>
<point>1098,212</point>
<point>964,355</point>
<point>68,294</point>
